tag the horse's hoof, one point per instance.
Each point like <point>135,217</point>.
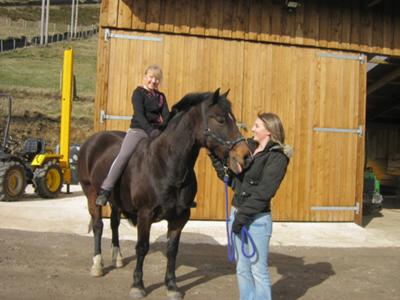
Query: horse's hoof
<point>136,293</point>
<point>174,295</point>
<point>97,268</point>
<point>119,263</point>
<point>117,259</point>
<point>96,271</point>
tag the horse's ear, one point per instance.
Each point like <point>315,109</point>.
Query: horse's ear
<point>224,95</point>
<point>216,96</point>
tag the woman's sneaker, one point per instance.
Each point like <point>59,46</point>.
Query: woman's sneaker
<point>102,197</point>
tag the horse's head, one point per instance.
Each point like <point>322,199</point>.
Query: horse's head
<point>221,134</point>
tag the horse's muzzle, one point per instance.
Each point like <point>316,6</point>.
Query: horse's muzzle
<point>239,158</point>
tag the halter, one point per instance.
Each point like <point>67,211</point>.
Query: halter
<point>208,133</point>
<point>228,144</point>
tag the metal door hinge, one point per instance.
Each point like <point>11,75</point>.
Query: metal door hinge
<point>104,117</point>
<point>108,35</point>
<point>361,57</point>
<point>355,208</point>
<point>358,131</point>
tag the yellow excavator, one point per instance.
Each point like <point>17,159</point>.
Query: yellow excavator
<point>36,164</point>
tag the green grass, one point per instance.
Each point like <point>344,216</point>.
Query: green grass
<point>59,19</point>
<point>60,14</point>
<point>37,69</point>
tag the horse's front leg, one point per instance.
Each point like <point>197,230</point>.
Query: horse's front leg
<point>142,247</point>
<point>116,251</point>
<point>174,234</point>
<point>97,226</point>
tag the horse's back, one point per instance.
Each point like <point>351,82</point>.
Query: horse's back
<point>96,155</point>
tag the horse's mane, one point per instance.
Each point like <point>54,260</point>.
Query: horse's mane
<point>191,100</point>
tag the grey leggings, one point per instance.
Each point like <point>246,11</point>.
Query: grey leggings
<point>132,137</point>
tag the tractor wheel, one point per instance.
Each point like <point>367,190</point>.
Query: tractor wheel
<point>12,180</point>
<point>48,180</point>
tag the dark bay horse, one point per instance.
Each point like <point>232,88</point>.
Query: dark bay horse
<point>159,181</point>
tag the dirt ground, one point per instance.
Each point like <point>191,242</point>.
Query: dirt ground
<point>56,266</point>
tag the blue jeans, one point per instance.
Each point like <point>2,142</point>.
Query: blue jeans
<point>252,273</point>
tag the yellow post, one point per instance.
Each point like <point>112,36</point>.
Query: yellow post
<point>66,100</point>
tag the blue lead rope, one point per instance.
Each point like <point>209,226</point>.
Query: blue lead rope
<point>245,234</point>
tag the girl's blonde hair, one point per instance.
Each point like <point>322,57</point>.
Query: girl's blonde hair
<point>156,70</point>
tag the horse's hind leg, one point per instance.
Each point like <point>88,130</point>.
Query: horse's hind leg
<point>142,247</point>
<point>174,234</point>
<point>116,252</point>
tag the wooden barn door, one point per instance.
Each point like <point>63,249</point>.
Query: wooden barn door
<point>320,97</point>
<point>190,64</point>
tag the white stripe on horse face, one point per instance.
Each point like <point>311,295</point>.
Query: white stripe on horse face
<point>230,116</point>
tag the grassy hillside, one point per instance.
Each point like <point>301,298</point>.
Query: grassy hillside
<point>38,68</point>
<point>32,77</point>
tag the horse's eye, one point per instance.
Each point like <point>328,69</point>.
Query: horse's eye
<point>220,120</point>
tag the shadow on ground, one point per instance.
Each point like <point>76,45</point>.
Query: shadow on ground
<point>208,261</point>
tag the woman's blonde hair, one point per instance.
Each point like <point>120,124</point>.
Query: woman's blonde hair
<point>274,125</point>
<point>156,70</point>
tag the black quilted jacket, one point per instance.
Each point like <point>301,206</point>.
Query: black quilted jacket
<point>255,186</point>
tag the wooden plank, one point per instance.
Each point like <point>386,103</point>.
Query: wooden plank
<point>112,16</point>
<point>346,26</point>
<point>182,17</point>
<point>125,14</point>
<point>388,23</point>
<point>255,20</point>
<point>213,19</point>
<point>198,17</point>
<point>104,9</point>
<point>287,26</point>
<point>362,99</point>
<point>240,19</point>
<point>153,16</point>
<point>324,24</point>
<point>335,26</point>
<point>298,29</point>
<point>366,23</point>
<point>355,23</point>
<point>276,22</point>
<point>167,18</point>
<point>266,21</point>
<point>139,10</point>
<point>311,23</point>
<point>227,19</point>
<point>377,30</point>
<point>102,71</point>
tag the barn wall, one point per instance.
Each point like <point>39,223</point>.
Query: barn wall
<point>306,89</point>
<point>345,25</point>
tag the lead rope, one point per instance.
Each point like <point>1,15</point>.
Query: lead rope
<point>245,234</point>
<point>230,235</point>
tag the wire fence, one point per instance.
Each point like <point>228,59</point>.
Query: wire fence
<point>16,34</point>
<point>11,44</point>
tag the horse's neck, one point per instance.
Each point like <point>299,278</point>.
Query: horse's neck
<point>181,141</point>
